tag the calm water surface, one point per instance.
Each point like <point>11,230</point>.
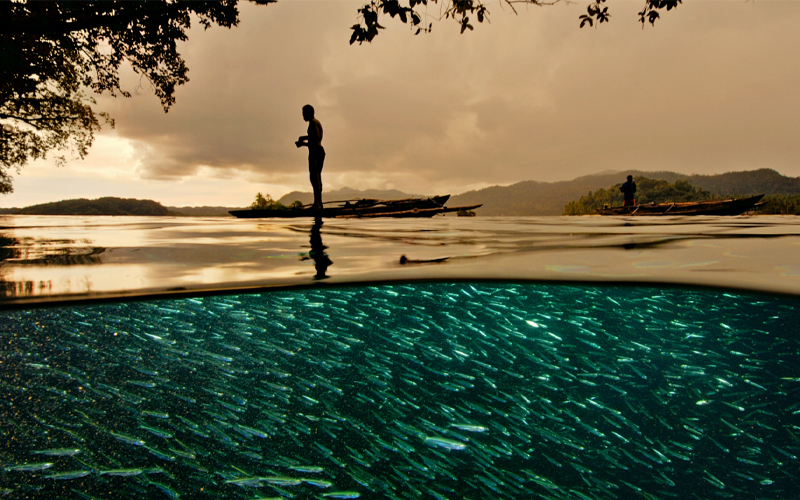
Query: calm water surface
<point>530,388</point>
<point>64,258</point>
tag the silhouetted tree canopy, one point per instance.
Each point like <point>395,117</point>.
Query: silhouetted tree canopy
<point>780,204</point>
<point>417,12</point>
<point>53,53</point>
<point>266,203</point>
<point>100,206</point>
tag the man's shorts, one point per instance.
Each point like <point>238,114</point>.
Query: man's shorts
<point>316,158</point>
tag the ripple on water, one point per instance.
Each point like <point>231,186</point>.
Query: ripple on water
<point>75,258</point>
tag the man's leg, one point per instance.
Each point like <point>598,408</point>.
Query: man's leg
<point>316,184</point>
<point>314,176</point>
<point>315,163</point>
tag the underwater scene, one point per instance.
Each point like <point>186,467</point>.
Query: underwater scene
<point>445,391</point>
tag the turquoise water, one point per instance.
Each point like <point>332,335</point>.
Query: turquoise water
<point>449,358</point>
<point>406,391</point>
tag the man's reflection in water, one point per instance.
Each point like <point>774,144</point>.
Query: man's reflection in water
<point>317,253</point>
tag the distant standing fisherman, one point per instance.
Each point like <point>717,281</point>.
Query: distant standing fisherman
<point>316,154</point>
<point>628,189</point>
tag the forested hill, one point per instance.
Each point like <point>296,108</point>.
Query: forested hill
<point>549,198</point>
<point>765,180</point>
<point>100,206</point>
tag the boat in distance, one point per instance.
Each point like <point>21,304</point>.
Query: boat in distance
<point>733,206</point>
<point>360,208</point>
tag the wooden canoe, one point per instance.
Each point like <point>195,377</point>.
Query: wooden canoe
<point>733,206</point>
<point>362,207</point>
<point>414,212</point>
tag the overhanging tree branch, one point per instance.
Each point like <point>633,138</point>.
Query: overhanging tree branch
<point>409,12</point>
<point>105,16</point>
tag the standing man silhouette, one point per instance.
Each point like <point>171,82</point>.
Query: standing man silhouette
<point>628,191</point>
<point>316,154</point>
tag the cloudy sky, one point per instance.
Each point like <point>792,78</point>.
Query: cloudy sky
<point>713,87</point>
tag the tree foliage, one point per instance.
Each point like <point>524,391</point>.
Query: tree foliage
<point>51,53</point>
<point>780,204</point>
<point>266,203</point>
<point>647,191</point>
<point>417,13</point>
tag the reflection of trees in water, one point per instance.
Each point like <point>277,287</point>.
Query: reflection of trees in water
<point>8,250</point>
<point>41,252</point>
<point>64,257</point>
<point>22,288</point>
<point>31,252</point>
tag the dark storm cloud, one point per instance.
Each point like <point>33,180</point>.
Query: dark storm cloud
<point>711,88</point>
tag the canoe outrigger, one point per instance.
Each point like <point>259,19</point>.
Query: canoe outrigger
<point>719,207</point>
<point>360,208</point>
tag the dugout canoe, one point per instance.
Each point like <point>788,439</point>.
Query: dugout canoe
<point>361,207</point>
<point>733,206</point>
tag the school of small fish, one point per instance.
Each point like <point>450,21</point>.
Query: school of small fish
<point>445,391</point>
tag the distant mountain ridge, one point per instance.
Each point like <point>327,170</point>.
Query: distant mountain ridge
<point>549,198</point>
<point>520,199</point>
<point>765,180</point>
